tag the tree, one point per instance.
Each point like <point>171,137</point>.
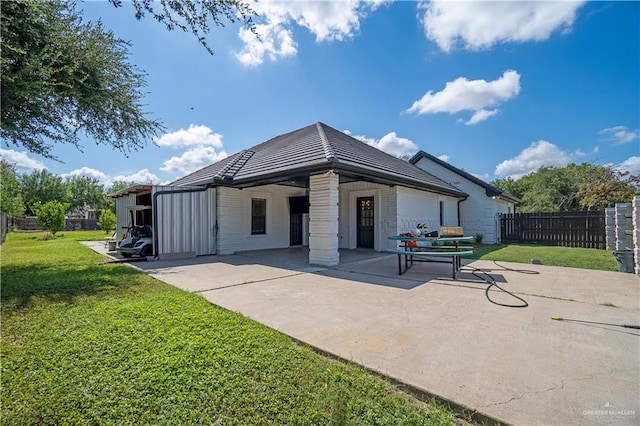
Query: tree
<point>107,221</point>
<point>62,77</point>
<point>194,16</point>
<point>573,187</point>
<point>51,215</point>
<point>41,187</point>
<point>11,201</point>
<point>608,187</point>
<point>85,192</point>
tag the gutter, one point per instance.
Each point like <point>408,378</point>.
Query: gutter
<point>276,176</point>
<point>154,205</point>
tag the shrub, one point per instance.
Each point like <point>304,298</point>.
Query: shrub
<point>51,215</point>
<point>107,221</point>
<point>478,238</point>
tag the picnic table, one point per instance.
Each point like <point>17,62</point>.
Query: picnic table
<point>440,247</point>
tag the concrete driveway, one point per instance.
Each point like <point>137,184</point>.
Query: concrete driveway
<point>444,337</point>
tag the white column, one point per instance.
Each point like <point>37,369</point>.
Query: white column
<point>323,219</point>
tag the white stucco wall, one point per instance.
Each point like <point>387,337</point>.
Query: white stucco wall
<point>416,207</point>
<point>233,209</point>
<point>478,212</point>
<point>384,211</point>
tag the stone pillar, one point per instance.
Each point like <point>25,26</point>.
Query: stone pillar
<point>610,227</point>
<point>323,219</point>
<point>621,226</point>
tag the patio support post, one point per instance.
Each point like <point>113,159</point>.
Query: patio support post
<point>323,219</point>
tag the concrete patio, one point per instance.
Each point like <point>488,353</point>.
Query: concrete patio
<point>444,337</point>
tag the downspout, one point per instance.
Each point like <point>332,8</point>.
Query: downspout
<point>154,205</point>
<point>459,201</point>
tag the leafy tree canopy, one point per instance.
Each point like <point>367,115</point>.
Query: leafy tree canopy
<point>11,201</point>
<point>107,221</point>
<point>62,77</point>
<point>85,192</point>
<point>573,187</point>
<point>51,215</point>
<point>195,16</point>
<point>40,187</point>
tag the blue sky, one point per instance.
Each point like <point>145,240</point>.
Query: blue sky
<point>495,88</point>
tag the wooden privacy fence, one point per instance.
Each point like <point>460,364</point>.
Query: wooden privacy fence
<point>30,223</point>
<point>570,229</point>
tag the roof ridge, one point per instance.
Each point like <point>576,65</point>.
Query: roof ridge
<point>241,159</point>
<point>329,153</point>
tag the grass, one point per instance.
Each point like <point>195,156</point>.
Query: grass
<point>84,343</point>
<point>553,256</point>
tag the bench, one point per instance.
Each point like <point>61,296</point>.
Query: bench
<point>409,256</point>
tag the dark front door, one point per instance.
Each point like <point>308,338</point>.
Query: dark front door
<point>295,229</point>
<point>298,206</point>
<point>365,222</point>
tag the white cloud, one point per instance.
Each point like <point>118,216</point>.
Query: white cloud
<point>390,143</point>
<point>481,115</point>
<point>619,135</point>
<point>327,20</point>
<point>194,135</point>
<point>193,159</point>
<point>444,157</point>
<point>581,154</point>
<point>538,154</point>
<point>275,43</point>
<point>476,25</point>
<point>469,95</point>
<point>143,176</point>
<point>87,172</point>
<point>631,165</point>
<point>21,160</point>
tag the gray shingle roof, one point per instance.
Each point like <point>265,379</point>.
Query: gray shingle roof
<point>315,148</point>
<point>490,190</point>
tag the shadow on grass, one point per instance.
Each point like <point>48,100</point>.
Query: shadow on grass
<point>20,284</point>
<point>481,250</point>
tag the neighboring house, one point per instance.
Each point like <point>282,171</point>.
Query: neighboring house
<point>314,186</point>
<point>479,212</point>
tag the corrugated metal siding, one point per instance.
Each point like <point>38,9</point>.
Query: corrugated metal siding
<point>123,217</point>
<point>186,221</point>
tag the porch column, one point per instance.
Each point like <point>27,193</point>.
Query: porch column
<point>323,219</point>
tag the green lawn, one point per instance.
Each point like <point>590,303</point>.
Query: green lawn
<point>553,256</point>
<point>84,343</point>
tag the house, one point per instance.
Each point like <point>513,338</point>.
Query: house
<point>314,186</point>
<point>479,211</point>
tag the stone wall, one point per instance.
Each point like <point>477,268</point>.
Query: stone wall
<point>623,232</point>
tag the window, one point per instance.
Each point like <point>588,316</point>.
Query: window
<point>258,216</point>
<point>441,213</point>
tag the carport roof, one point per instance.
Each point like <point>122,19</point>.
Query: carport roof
<point>312,149</point>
